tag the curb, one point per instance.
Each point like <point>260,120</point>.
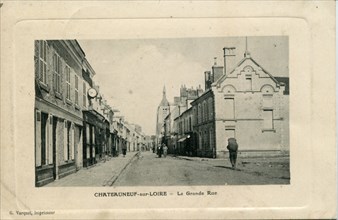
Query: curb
<point>113,179</point>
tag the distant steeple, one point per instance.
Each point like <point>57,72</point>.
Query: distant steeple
<point>164,101</point>
<point>164,95</point>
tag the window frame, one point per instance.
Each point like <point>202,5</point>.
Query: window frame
<point>57,74</point>
<point>76,90</point>
<point>68,83</point>
<point>42,60</point>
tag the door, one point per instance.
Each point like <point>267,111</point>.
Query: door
<point>54,147</point>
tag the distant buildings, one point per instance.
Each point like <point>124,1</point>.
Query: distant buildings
<point>74,125</point>
<point>242,100</point>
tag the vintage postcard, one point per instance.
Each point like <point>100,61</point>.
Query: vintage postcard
<point>168,110</point>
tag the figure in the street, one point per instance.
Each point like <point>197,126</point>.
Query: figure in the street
<point>124,150</point>
<point>159,151</point>
<point>233,148</point>
<point>165,150</point>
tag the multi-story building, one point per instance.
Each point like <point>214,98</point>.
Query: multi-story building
<point>60,97</point>
<point>180,105</point>
<point>185,137</point>
<point>245,102</point>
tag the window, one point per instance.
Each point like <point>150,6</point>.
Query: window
<point>267,101</point>
<point>76,90</point>
<point>84,95</point>
<point>42,63</point>
<point>66,146</point>
<point>210,109</point>
<point>248,83</point>
<point>268,119</point>
<point>229,133</point>
<point>229,108</point>
<point>44,140</point>
<point>202,113</point>
<point>211,142</point>
<point>67,73</point>
<point>56,73</point>
<point>206,107</point>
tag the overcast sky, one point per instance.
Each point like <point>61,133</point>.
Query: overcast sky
<point>131,73</point>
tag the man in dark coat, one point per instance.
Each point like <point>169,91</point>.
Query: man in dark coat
<point>159,150</point>
<point>233,148</point>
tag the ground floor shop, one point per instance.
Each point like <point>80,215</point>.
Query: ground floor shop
<point>58,142</point>
<point>95,138</point>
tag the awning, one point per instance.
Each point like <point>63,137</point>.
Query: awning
<point>182,139</point>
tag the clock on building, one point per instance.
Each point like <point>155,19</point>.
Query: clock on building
<point>92,93</point>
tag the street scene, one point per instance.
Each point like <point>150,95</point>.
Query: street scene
<point>162,112</point>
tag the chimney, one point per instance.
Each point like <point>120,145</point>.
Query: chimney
<point>207,80</point>
<point>229,58</point>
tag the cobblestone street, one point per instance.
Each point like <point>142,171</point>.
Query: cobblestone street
<point>149,170</point>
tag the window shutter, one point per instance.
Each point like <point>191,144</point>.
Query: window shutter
<point>93,133</point>
<point>47,140</point>
<point>37,138</point>
<point>50,137</point>
<point>65,152</point>
<point>73,141</point>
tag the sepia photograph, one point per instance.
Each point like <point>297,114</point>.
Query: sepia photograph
<point>162,112</point>
<point>168,110</point>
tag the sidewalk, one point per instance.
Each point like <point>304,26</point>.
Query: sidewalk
<point>101,174</point>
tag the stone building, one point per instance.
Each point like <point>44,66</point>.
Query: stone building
<point>180,105</point>
<point>185,136</point>
<point>245,102</point>
<point>60,96</point>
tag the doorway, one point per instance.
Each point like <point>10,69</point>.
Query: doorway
<point>55,120</point>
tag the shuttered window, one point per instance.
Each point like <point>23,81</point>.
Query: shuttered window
<point>84,93</point>
<point>42,66</point>
<point>76,90</point>
<point>56,73</point>
<point>68,85</point>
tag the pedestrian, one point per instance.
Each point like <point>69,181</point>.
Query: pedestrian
<point>165,150</point>
<point>124,150</point>
<point>233,148</point>
<point>159,151</point>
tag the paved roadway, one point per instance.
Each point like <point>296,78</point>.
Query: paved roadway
<point>149,170</point>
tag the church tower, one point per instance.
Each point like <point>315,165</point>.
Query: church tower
<point>163,111</point>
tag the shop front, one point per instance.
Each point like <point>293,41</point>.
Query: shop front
<point>94,137</point>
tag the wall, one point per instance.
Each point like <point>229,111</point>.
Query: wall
<point>250,101</point>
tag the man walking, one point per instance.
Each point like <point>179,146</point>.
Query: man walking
<point>233,148</point>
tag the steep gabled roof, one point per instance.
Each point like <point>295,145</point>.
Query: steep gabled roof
<point>222,78</point>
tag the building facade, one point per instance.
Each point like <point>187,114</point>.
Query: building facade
<point>58,109</point>
<point>245,102</point>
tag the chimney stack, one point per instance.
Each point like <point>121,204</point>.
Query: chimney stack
<point>229,57</point>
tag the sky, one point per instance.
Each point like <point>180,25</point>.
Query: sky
<point>131,73</point>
